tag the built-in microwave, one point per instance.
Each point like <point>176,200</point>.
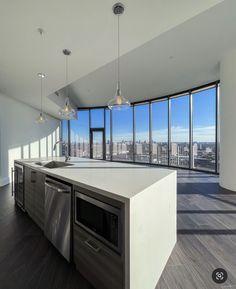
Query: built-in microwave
<point>100,219</point>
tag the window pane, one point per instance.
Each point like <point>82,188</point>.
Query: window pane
<point>97,145</point>
<point>122,134</point>
<point>180,131</point>
<point>97,117</point>
<point>204,126</point>
<point>64,134</point>
<point>142,133</point>
<point>79,134</point>
<point>218,129</point>
<point>108,134</point>
<point>160,132</point>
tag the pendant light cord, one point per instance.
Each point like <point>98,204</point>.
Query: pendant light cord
<point>118,52</point>
<point>118,102</point>
<point>67,87</point>
<point>41,78</point>
<point>41,86</point>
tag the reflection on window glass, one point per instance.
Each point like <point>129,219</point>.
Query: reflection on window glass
<point>142,133</point>
<point>79,135</point>
<point>179,131</point>
<point>108,134</point>
<point>122,129</point>
<point>204,129</point>
<point>97,117</point>
<point>160,132</point>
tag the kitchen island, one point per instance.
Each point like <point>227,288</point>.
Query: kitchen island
<point>146,199</point>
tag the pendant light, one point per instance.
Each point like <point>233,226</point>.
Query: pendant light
<point>41,118</point>
<point>118,102</point>
<point>67,112</point>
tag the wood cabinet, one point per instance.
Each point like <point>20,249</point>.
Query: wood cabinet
<point>94,259</point>
<point>35,195</point>
<point>98,263</point>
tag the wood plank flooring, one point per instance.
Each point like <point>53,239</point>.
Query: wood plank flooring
<point>206,240</point>
<point>27,259</point>
<point>206,235</point>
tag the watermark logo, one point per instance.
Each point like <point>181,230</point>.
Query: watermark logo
<point>219,275</point>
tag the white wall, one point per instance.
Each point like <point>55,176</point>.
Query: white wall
<point>21,136</point>
<point>228,121</point>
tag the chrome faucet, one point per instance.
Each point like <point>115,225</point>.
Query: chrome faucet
<point>67,157</point>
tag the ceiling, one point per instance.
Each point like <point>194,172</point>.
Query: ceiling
<point>166,46</point>
<point>184,57</point>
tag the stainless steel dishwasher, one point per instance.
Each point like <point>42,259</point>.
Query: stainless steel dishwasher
<point>57,227</point>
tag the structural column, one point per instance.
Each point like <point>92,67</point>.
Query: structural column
<point>228,121</point>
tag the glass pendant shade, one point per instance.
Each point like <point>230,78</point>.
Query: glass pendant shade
<point>67,112</point>
<point>41,118</point>
<point>119,102</point>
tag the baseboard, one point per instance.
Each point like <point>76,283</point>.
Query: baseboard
<point>225,190</point>
<point>4,181</point>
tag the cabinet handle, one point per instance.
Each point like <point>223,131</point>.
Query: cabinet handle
<point>52,186</point>
<point>92,245</point>
<point>12,181</point>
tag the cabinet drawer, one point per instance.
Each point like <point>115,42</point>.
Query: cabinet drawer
<point>39,200</point>
<point>98,263</point>
<point>29,203</point>
<point>35,195</point>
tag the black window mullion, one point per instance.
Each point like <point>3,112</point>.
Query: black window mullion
<point>134,138</point>
<point>111,137</point>
<point>150,132</point>
<point>68,136</point>
<point>216,128</point>
<point>104,135</point>
<point>169,130</point>
<point>190,130</point>
<point>90,138</point>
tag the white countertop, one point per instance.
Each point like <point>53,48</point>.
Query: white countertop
<point>121,180</point>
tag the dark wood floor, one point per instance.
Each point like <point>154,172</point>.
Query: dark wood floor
<point>27,259</point>
<point>206,235</point>
<point>206,240</point>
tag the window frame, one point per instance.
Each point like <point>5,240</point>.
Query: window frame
<point>216,87</point>
<point>188,92</point>
<point>134,131</point>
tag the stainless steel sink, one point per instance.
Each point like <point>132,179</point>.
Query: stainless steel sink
<point>39,164</point>
<point>53,164</point>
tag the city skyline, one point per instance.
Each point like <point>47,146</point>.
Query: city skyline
<point>201,134</point>
<point>203,120</point>
<point>176,109</point>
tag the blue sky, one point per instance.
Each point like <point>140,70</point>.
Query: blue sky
<point>203,120</point>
